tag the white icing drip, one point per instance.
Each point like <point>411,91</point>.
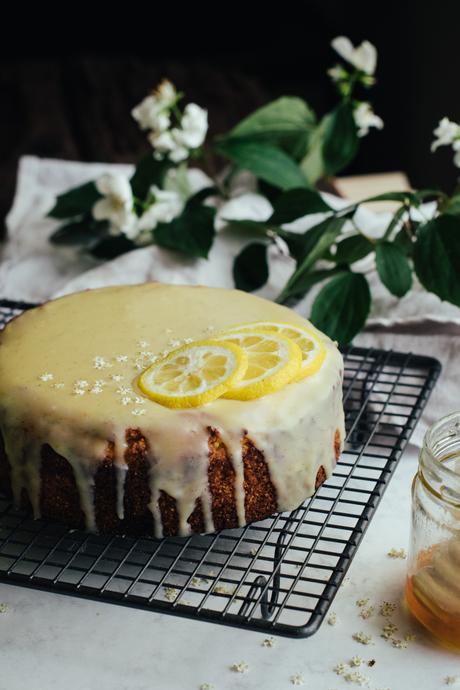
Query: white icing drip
<point>120,477</point>
<point>121,468</point>
<point>155,510</point>
<point>294,427</point>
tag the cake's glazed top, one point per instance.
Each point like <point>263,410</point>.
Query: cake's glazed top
<point>68,373</point>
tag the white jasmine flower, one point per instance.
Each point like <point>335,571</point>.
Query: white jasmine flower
<point>153,111</point>
<point>447,133</point>
<point>456,147</point>
<point>177,142</point>
<point>166,206</point>
<point>363,58</point>
<point>365,118</point>
<point>150,116</point>
<point>116,205</point>
<point>165,145</point>
<point>193,126</point>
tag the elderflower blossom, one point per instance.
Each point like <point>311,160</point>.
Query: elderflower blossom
<point>362,58</point>
<point>365,118</point>
<point>116,204</point>
<point>447,133</point>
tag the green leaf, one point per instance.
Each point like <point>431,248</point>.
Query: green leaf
<point>342,306</point>
<point>306,281</point>
<point>394,222</point>
<point>410,197</point>
<point>340,143</point>
<point>191,233</point>
<point>311,247</point>
<point>312,164</point>
<point>353,249</point>
<point>75,202</point>
<point>86,232</point>
<point>286,122</point>
<point>393,268</point>
<point>111,247</point>
<point>148,172</point>
<point>452,206</point>
<point>437,257</point>
<point>296,203</point>
<point>404,242</point>
<point>257,226</point>
<point>266,162</point>
<point>250,268</point>
<point>423,194</point>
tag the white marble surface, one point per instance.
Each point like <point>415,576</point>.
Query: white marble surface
<point>51,641</point>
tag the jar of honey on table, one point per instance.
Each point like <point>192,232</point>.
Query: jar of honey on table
<point>433,579</point>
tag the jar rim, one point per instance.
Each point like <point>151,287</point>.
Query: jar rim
<point>450,424</point>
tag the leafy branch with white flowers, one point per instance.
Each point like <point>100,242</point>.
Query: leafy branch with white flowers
<point>286,149</point>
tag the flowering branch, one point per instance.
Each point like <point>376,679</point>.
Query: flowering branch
<point>286,150</point>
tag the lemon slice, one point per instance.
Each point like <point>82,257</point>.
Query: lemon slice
<point>312,347</point>
<point>274,361</point>
<point>194,374</point>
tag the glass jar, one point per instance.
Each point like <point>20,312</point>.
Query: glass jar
<point>433,579</point>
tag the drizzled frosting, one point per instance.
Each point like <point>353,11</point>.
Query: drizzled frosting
<point>68,372</point>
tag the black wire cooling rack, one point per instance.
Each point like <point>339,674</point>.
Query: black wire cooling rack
<point>279,575</point>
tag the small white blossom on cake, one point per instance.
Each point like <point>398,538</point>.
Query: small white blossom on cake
<point>116,205</point>
<point>365,118</point>
<point>447,133</point>
<point>363,57</point>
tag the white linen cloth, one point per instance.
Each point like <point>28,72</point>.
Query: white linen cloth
<point>32,269</point>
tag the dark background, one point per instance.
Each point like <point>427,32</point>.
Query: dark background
<point>67,88</point>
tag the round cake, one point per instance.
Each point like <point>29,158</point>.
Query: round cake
<point>83,444</point>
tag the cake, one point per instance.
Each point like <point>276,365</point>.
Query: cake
<point>82,444</point>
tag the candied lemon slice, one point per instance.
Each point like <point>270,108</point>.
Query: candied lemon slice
<point>312,347</point>
<point>194,374</point>
<point>274,361</point>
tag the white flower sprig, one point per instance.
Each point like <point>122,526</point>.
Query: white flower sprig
<point>155,114</point>
<point>447,133</point>
<point>363,59</point>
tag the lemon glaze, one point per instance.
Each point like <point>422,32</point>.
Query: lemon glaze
<point>68,378</point>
